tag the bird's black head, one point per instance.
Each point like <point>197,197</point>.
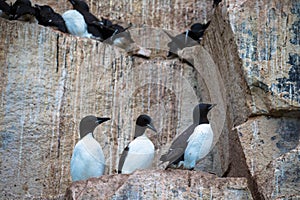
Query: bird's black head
<point>5,7</point>
<point>42,12</point>
<point>143,122</point>
<point>200,113</point>
<point>197,30</point>
<point>197,27</point>
<point>44,8</point>
<point>80,5</point>
<point>21,8</point>
<point>89,123</point>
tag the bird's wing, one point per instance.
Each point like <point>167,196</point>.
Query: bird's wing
<point>122,159</point>
<point>56,19</point>
<point>90,18</point>
<point>180,41</point>
<point>177,41</point>
<point>172,155</point>
<point>178,146</point>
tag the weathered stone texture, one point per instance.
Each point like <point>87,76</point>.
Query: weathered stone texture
<point>248,64</point>
<point>39,124</point>
<point>272,153</point>
<point>163,184</point>
<point>44,98</point>
<point>267,35</point>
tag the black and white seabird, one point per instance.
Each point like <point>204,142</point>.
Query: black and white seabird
<point>188,38</point>
<point>103,30</point>
<point>194,143</point>
<point>46,16</point>
<point>197,31</point>
<point>139,153</point>
<point>4,9</point>
<point>75,24</point>
<point>89,18</point>
<point>88,159</point>
<point>22,10</point>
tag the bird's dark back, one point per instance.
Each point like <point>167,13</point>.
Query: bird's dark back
<point>5,7</point>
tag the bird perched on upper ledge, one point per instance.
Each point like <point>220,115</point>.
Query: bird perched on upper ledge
<point>88,158</point>
<point>194,143</point>
<point>188,38</point>
<point>139,153</point>
<point>22,10</point>
<point>4,9</point>
<point>103,30</point>
<point>89,18</point>
<point>46,16</point>
<point>75,24</point>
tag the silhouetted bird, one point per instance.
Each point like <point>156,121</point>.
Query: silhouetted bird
<point>46,16</point>
<point>139,153</point>
<point>88,159</point>
<point>4,9</point>
<point>188,38</point>
<point>194,143</point>
<point>22,8</point>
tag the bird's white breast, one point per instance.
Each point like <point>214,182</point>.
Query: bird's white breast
<point>75,23</point>
<point>140,155</point>
<point>199,145</point>
<point>87,159</point>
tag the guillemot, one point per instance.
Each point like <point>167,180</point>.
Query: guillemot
<point>88,159</point>
<point>139,153</point>
<point>194,143</point>
<point>46,16</point>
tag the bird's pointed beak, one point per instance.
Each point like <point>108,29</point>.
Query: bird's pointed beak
<point>101,120</point>
<point>128,27</point>
<point>151,126</point>
<point>211,106</point>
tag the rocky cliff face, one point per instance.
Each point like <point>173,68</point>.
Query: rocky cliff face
<point>248,63</point>
<point>166,184</point>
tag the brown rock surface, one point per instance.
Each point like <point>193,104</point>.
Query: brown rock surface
<point>271,147</point>
<point>248,64</point>
<point>266,34</point>
<point>160,184</point>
